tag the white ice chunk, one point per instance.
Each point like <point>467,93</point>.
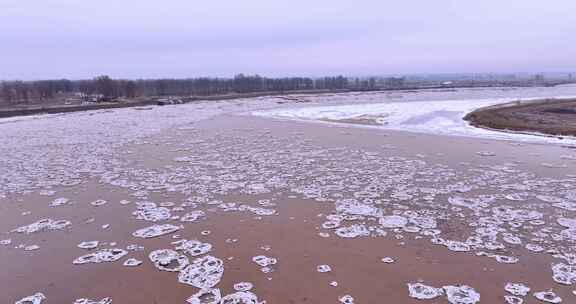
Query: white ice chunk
<point>88,244</point>
<point>423,292</point>
<point>393,221</point>
<point>204,272</point>
<point>323,268</point>
<point>88,301</point>
<point>168,260</point>
<point>155,230</point>
<point>517,289</point>
<point>548,297</point>
<point>243,286</point>
<point>206,296</point>
<point>193,247</point>
<point>132,262</point>
<point>462,294</point>
<point>102,255</point>
<point>37,298</point>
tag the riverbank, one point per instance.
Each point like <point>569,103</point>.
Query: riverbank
<point>34,109</point>
<point>548,116</point>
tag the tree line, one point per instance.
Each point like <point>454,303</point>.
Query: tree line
<point>106,88</point>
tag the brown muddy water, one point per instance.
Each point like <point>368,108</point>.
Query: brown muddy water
<point>440,207</point>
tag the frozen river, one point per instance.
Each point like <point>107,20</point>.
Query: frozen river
<point>428,114</point>
<point>182,203</point>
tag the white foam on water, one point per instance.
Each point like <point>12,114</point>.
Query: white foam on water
<point>204,272</point>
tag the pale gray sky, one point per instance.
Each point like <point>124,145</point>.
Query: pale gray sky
<point>189,38</point>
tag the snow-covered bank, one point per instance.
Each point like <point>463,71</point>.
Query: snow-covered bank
<point>443,117</point>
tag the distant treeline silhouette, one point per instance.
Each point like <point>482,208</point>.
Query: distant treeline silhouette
<point>13,92</point>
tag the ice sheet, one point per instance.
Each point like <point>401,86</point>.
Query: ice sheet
<point>443,117</point>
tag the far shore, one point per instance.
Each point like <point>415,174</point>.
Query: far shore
<point>55,108</point>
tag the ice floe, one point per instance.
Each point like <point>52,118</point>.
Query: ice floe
<point>461,294</point>
<point>564,274</point>
<point>43,225</point>
<point>89,301</point>
<point>243,286</point>
<point>517,289</point>
<point>155,231</point>
<point>206,296</point>
<point>424,292</point>
<point>88,244</point>
<point>323,268</point>
<point>192,216</point>
<point>204,272</point>
<point>152,213</point>
<point>168,260</point>
<point>241,297</point>
<point>99,202</point>
<point>59,202</point>
<point>100,256</point>
<point>193,247</point>
<point>387,260</point>
<point>36,298</point>
<point>548,297</point>
<point>132,262</point>
<point>513,299</point>
<point>346,299</point>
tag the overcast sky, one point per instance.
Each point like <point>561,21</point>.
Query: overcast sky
<point>188,38</point>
